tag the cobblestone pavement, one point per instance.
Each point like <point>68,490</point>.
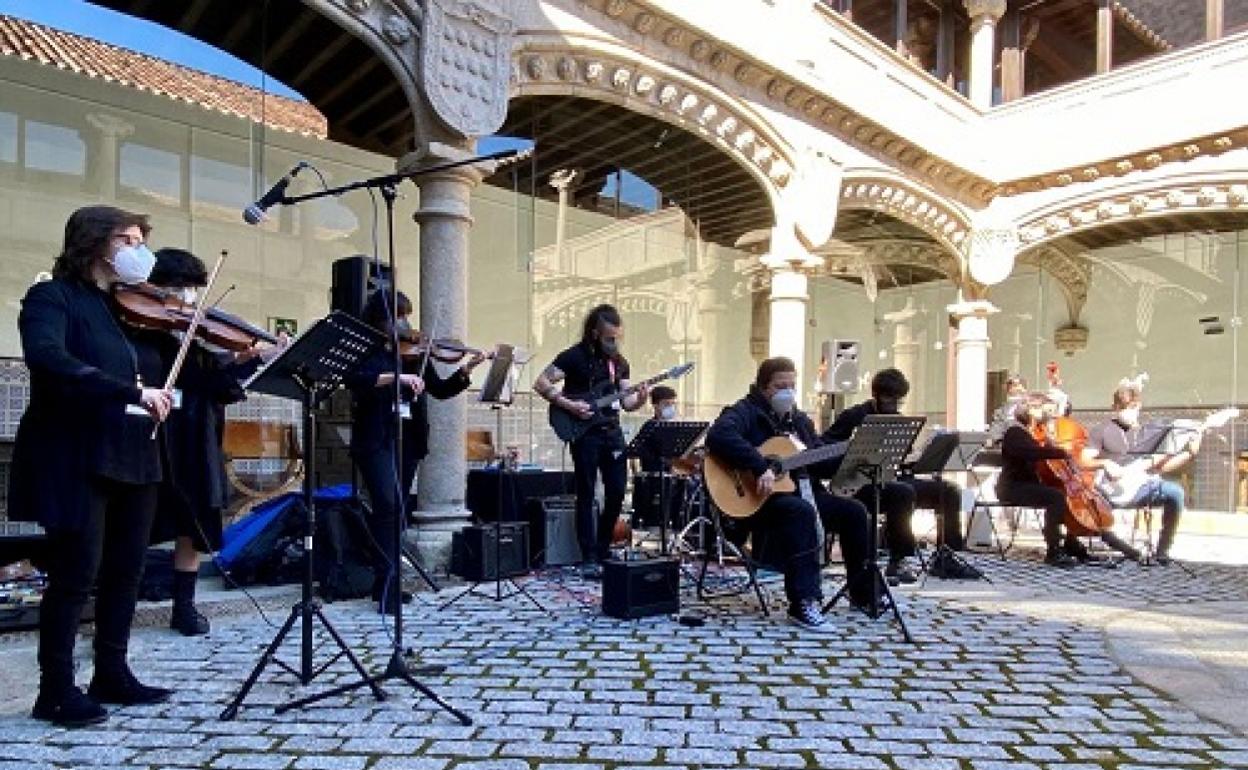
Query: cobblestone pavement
<point>1010,675</point>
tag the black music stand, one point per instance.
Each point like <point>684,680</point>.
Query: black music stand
<point>497,392</point>
<point>311,368</point>
<point>875,452</point>
<point>668,439</point>
<point>950,452</point>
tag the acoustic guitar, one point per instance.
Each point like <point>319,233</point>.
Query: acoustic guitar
<point>735,490</point>
<point>604,403</point>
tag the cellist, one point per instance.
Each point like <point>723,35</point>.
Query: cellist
<point>1019,483</point>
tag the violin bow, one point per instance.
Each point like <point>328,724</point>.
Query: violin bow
<point>189,337</point>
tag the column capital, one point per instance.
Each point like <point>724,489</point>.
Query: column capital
<point>984,11</point>
<point>110,125</point>
<point>972,308</point>
<point>563,178</point>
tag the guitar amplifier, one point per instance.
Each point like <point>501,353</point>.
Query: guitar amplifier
<point>476,554</point>
<point>552,524</point>
<point>640,588</point>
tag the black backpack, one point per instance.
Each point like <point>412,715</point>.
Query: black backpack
<point>344,550</point>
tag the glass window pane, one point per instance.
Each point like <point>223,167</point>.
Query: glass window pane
<point>59,149</point>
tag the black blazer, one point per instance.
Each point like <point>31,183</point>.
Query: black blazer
<point>82,365</point>
<point>372,408</point>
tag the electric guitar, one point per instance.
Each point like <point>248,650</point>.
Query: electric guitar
<point>604,403</point>
<point>1135,474</point>
<point>735,491</point>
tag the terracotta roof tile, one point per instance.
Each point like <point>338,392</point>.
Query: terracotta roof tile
<point>96,59</point>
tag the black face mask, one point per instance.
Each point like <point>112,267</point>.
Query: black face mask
<point>609,347</point>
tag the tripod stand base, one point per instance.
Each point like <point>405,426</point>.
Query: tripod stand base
<point>307,610</point>
<point>878,592</point>
<point>946,555</point>
<point>515,590</point>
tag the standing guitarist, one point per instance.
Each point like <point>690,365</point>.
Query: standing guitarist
<point>594,367</point>
<point>769,410</point>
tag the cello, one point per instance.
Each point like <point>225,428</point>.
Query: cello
<point>1090,512</point>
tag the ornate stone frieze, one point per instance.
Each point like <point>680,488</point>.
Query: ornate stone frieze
<point>466,49</point>
<point>1113,209</point>
<point>1214,144</point>
<point>665,97</point>
<point>928,213</point>
<point>788,94</point>
<point>1071,270</point>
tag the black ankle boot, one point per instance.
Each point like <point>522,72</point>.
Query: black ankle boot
<point>67,707</point>
<point>120,686</point>
<point>186,617</point>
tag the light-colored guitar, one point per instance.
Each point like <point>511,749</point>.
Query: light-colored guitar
<point>1135,474</point>
<point>735,491</point>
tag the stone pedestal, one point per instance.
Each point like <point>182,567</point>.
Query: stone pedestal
<point>970,354</point>
<point>445,220</point>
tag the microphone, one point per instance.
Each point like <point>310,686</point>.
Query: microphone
<point>254,214</point>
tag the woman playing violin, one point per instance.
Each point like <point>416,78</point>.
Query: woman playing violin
<point>84,463</point>
<point>195,492</point>
<point>372,428</point>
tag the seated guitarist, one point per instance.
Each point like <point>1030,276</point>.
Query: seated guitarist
<point>1109,443</point>
<point>769,410</point>
<point>594,366</point>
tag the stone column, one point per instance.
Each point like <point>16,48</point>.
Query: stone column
<point>788,319</point>
<point>561,180</point>
<point>970,356</point>
<point>445,220</point>
<point>984,17</point>
<point>112,130</point>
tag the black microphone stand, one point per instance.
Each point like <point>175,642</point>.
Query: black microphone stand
<point>397,667</point>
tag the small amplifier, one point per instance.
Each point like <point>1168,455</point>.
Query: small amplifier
<point>639,588</point>
<point>478,554</point>
<point>552,526</point>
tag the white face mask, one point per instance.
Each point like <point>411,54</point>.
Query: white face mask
<point>782,400</point>
<point>189,295</point>
<point>133,264</point>
<point>667,413</point>
<point>1129,416</point>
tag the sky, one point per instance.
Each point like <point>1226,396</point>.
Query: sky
<point>89,20</point>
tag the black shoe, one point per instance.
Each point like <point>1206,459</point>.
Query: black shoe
<point>807,614</point>
<point>123,689</point>
<point>948,567</point>
<point>1162,559</point>
<point>189,621</point>
<point>72,708</point>
<point>1060,559</point>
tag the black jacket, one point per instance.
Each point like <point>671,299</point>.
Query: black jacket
<point>372,408</point>
<point>1019,454</point>
<point>82,365</point>
<point>195,466</point>
<point>735,435</point>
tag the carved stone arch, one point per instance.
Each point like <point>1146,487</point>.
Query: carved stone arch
<point>1070,268</point>
<point>1189,195</point>
<point>946,223</point>
<point>543,66</point>
<point>888,252</point>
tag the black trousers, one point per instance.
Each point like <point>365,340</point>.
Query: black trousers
<point>385,498</point>
<point>1050,499</point>
<point>945,498</point>
<point>107,552</point>
<point>601,451</point>
<point>897,515</point>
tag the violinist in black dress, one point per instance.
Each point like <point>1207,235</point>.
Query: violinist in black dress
<point>85,465</point>
<point>372,430</point>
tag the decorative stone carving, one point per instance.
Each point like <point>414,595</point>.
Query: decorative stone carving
<point>728,125</point>
<point>616,8</point>
<point>1138,204</point>
<point>1223,143</point>
<point>718,59</point>
<point>1124,167</point>
<point>396,29</point>
<point>668,94</point>
<point>674,37</point>
<point>708,114</point>
<point>1190,151</point>
<point>929,214</point>
<point>466,51</point>
<point>566,68</point>
<point>1174,198</point>
<point>1152,160</point>
<point>644,23</point>
<point>621,78</point>
<point>1064,179</point>
<point>776,88</point>
<point>1071,339</point>
<point>992,9</point>
<point>536,67</point>
<point>688,103</point>
<point>1090,174</point>
<point>110,126</point>
<point>744,73</point>
<point>594,71</point>
<point>645,84</point>
<point>700,49</point>
<point>1105,210</point>
<point>1206,195</point>
<point>1237,194</point>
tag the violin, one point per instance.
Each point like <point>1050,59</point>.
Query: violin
<point>413,344</point>
<point>151,307</point>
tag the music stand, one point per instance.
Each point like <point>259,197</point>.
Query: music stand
<point>311,368</point>
<point>950,452</point>
<point>875,452</point>
<point>668,439</point>
<point>497,391</point>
